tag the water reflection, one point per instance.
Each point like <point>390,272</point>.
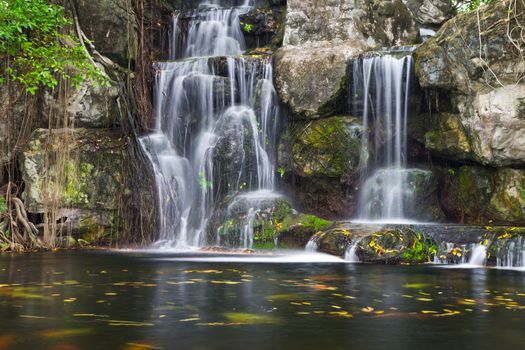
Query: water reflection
<point>131,301</point>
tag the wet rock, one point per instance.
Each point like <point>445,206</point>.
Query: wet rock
<point>391,244</point>
<point>470,73</point>
<point>90,105</point>
<point>312,81</point>
<point>252,219</point>
<point>479,195</point>
<point>111,26</point>
<point>75,173</point>
<point>320,160</point>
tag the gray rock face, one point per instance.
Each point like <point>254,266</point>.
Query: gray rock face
<point>90,105</point>
<point>321,36</point>
<point>478,195</point>
<point>76,172</point>
<point>311,81</point>
<point>477,82</point>
<point>321,159</point>
<point>110,24</point>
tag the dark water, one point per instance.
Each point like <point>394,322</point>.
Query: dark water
<point>141,301</point>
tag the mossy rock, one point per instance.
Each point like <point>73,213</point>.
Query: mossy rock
<point>479,195</point>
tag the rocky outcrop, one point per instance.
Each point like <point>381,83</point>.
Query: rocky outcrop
<point>472,69</point>
<point>111,26</point>
<point>478,195</point>
<point>77,174</point>
<point>321,159</point>
<point>320,37</point>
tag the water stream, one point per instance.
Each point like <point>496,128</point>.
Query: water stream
<point>216,115</point>
<point>381,93</point>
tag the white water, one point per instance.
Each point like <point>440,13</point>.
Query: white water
<point>283,258</point>
<point>311,246</point>
<point>350,254</point>
<point>214,129</point>
<point>478,256</point>
<point>382,85</point>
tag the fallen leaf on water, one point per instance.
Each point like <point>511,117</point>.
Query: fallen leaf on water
<point>277,297</point>
<point>190,319</point>
<point>137,346</point>
<point>61,333</point>
<point>367,309</point>
<point>416,285</point>
<point>247,318</point>
<point>32,316</point>
<point>424,299</point>
<point>226,282</point>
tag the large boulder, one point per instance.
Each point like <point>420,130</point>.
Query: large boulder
<point>77,174</point>
<point>321,36</point>
<point>471,69</point>
<point>91,104</point>
<point>321,160</point>
<point>111,26</point>
<point>479,195</point>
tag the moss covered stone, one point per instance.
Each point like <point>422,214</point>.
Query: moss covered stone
<point>77,173</point>
<point>320,160</point>
<point>478,195</point>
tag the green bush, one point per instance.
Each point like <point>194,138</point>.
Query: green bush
<point>35,49</point>
<point>3,207</point>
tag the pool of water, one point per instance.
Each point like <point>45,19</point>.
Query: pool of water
<point>138,300</point>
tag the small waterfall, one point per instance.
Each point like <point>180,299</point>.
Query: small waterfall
<point>381,91</point>
<point>511,253</point>
<point>350,254</point>
<point>312,246</point>
<point>478,256</point>
<point>216,116</point>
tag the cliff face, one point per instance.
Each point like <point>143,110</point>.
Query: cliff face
<point>473,70</point>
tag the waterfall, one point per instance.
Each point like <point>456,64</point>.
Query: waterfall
<point>312,246</point>
<point>350,254</point>
<point>216,116</point>
<point>478,256</point>
<point>381,89</point>
<point>511,253</point>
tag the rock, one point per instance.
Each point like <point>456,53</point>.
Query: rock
<point>448,139</point>
<point>474,87</point>
<point>90,105</point>
<point>82,182</point>
<point>391,244</point>
<point>321,36</point>
<point>478,195</point>
<point>252,219</point>
<point>312,81</point>
<point>298,229</point>
<point>320,159</point>
<point>111,26</point>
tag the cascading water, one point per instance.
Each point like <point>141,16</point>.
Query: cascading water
<point>215,123</point>
<point>351,252</point>
<point>381,92</point>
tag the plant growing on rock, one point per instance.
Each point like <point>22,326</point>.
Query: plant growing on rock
<point>35,49</point>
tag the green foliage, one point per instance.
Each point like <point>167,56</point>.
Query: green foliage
<point>248,28</point>
<point>3,207</point>
<point>421,250</point>
<point>34,49</point>
<point>468,5</point>
<point>204,182</point>
<point>315,223</point>
<point>281,171</point>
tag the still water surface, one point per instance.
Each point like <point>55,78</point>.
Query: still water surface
<point>101,300</point>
